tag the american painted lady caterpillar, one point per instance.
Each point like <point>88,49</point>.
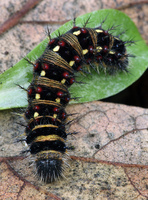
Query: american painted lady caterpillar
<point>48,93</point>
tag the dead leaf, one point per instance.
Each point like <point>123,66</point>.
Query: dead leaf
<point>110,160</point>
<point>114,171</point>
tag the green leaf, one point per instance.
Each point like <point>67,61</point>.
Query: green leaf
<point>96,86</point>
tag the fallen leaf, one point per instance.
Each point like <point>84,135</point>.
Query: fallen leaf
<point>109,159</point>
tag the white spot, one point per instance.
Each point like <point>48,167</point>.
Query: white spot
<point>58,100</point>
<point>85,51</point>
<point>111,52</point>
<point>56,48</point>
<point>77,32</point>
<point>43,73</point>
<point>36,114</point>
<point>63,81</point>
<point>55,116</point>
<point>37,96</point>
<point>71,63</point>
<point>99,49</point>
<point>99,31</point>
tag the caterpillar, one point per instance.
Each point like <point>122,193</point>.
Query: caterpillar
<point>48,95</point>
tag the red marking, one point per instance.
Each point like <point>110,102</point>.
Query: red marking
<point>36,66</point>
<point>105,32</point>
<point>83,30</point>
<point>72,80</point>
<point>39,89</point>
<point>59,94</point>
<point>28,127</point>
<point>63,115</point>
<point>62,43</point>
<point>45,66</point>
<point>105,49</point>
<point>30,91</point>
<point>67,99</point>
<point>37,121</point>
<point>88,60</point>
<point>91,49</point>
<point>110,59</point>
<point>55,109</point>
<point>77,59</point>
<point>79,68</point>
<point>51,41</point>
<point>53,119</point>
<point>99,58</point>
<point>65,74</point>
<point>118,55</point>
<point>36,108</point>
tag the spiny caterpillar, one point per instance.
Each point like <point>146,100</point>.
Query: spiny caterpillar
<point>48,95</point>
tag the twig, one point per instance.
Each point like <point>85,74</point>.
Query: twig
<point>15,18</point>
<point>131,4</point>
<point>43,22</point>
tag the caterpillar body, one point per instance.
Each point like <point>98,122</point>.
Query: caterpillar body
<point>48,95</point>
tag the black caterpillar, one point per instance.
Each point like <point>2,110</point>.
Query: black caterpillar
<point>48,95</point>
